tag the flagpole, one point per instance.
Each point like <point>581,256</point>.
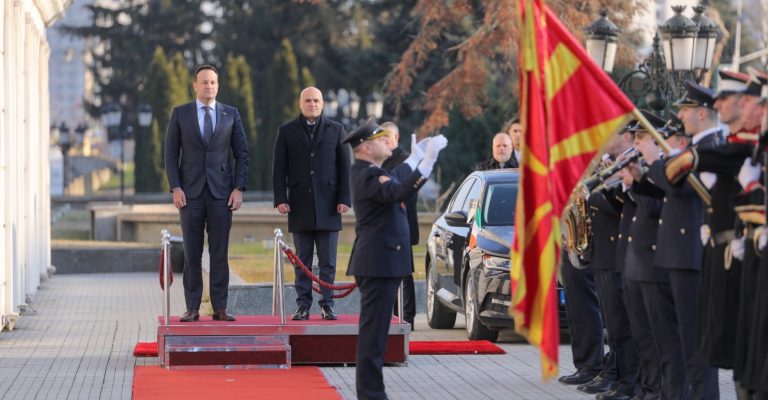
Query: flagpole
<point>692,179</point>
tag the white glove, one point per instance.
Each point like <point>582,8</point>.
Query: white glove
<point>737,248</point>
<point>706,233</point>
<point>417,152</point>
<point>435,145</point>
<point>708,179</point>
<point>762,239</point>
<point>748,173</point>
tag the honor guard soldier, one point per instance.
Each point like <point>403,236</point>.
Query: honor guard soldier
<point>678,245</point>
<point>604,211</point>
<point>648,293</point>
<point>381,254</point>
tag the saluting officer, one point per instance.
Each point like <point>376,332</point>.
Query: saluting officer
<point>647,291</point>
<point>678,245</point>
<point>381,254</point>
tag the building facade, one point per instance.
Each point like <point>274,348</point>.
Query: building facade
<point>25,249</point>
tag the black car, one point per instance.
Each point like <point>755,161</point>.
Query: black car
<point>468,256</point>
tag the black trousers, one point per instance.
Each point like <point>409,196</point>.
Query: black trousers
<point>702,378</point>
<point>377,297</point>
<point>649,376</point>
<point>202,214</point>
<point>585,324</point>
<point>610,289</point>
<point>660,306</point>
<point>326,242</point>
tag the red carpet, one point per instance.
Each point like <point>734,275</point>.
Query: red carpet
<point>455,347</point>
<point>299,383</point>
<point>149,349</point>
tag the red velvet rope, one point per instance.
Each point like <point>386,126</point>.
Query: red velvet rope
<point>294,259</point>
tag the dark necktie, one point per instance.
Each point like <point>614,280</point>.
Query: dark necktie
<point>207,125</point>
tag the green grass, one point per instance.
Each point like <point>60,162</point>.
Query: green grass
<point>254,263</point>
<point>114,180</point>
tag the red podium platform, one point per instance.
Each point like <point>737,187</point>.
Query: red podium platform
<point>256,341</point>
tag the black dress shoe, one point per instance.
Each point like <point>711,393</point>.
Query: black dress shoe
<point>301,313</point>
<point>613,395</point>
<point>327,313</point>
<point>222,315</point>
<point>577,378</point>
<point>189,316</point>
<point>597,385</point>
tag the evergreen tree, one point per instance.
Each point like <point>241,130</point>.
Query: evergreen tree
<point>162,92</point>
<point>281,103</point>
<point>307,79</point>
<point>239,92</point>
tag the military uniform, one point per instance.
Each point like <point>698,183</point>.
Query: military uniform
<point>604,213</point>
<point>679,250</point>
<point>381,255</point>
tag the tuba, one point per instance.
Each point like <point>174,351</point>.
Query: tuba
<point>577,229</point>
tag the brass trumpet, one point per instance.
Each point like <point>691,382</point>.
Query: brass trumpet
<point>603,179</point>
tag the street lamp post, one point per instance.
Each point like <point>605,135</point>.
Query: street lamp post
<point>684,48</point>
<point>65,143</point>
<point>111,116</point>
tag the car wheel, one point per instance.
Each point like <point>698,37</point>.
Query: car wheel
<point>475,329</point>
<point>438,315</point>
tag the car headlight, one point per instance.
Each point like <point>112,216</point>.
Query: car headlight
<point>493,265</point>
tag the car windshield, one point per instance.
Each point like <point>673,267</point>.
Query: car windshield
<point>499,205</point>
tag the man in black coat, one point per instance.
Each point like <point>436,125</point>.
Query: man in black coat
<point>310,178</point>
<point>381,255</point>
<point>202,138</point>
<point>396,159</point>
<point>502,154</point>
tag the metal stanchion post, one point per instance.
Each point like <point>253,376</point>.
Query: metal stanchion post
<point>166,275</point>
<point>400,306</point>
<point>278,298</point>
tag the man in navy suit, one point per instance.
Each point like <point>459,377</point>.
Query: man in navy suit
<point>202,138</point>
<point>381,254</point>
<point>310,180</point>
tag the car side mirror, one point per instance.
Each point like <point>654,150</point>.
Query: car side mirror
<point>456,218</point>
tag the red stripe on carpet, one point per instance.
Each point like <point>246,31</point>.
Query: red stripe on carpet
<point>299,383</point>
<point>455,347</point>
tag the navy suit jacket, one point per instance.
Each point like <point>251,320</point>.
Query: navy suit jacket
<point>678,245</point>
<point>382,246</point>
<point>190,164</point>
<point>312,178</point>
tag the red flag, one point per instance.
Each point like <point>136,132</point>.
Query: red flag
<point>569,108</point>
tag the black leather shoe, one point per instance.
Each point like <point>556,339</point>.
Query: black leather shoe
<point>597,385</point>
<point>327,313</point>
<point>301,313</point>
<point>613,395</point>
<point>577,378</point>
<point>189,316</point>
<point>222,315</point>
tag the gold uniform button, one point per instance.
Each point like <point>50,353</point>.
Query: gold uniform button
<point>398,247</point>
<point>622,215</point>
<point>664,200</point>
<point>634,219</point>
<point>629,238</point>
<point>619,235</point>
<point>660,221</point>
<point>612,239</point>
<point>653,247</point>
<point>682,231</point>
